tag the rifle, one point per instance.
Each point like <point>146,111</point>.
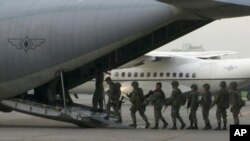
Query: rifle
<point>119,105</point>
<point>149,94</point>
<point>167,102</point>
<point>166,106</point>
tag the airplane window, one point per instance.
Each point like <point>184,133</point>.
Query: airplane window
<point>161,74</point>
<point>116,74</point>
<point>168,74</point>
<point>123,74</point>
<point>174,74</point>
<point>135,74</point>
<point>194,75</point>
<point>155,74</point>
<point>148,74</point>
<point>180,75</point>
<point>142,74</point>
<point>129,74</point>
<point>187,75</point>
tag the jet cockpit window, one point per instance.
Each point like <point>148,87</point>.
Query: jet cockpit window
<point>187,75</point>
<point>194,75</point>
<point>161,74</point>
<point>123,74</point>
<point>117,74</point>
<point>135,74</point>
<point>148,74</point>
<point>155,74</point>
<point>142,74</point>
<point>174,74</point>
<point>129,74</point>
<point>180,75</point>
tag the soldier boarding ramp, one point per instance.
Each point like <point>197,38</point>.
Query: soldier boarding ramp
<point>64,111</point>
<point>80,115</point>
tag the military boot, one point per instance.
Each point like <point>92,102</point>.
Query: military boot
<point>174,127</point>
<point>165,124</point>
<point>147,125</point>
<point>209,126</point>
<point>156,126</point>
<point>106,117</point>
<point>195,126</point>
<point>134,125</point>
<point>191,126</point>
<point>206,127</point>
<point>183,125</point>
<point>219,127</point>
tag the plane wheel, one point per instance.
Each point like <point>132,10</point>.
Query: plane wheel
<point>248,96</point>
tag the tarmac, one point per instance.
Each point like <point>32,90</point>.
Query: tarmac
<point>20,127</point>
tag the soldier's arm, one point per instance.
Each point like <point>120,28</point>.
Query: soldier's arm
<point>163,95</point>
<point>209,98</point>
<point>216,98</point>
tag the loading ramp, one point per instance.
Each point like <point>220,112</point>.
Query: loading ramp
<point>78,114</point>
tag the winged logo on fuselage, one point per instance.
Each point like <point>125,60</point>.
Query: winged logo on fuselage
<point>26,43</point>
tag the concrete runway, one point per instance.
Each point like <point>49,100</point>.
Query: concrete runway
<point>20,127</point>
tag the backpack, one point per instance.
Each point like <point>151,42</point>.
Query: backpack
<point>242,103</point>
<point>117,89</point>
<point>183,98</point>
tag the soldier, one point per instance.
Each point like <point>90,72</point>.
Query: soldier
<point>205,102</point>
<point>114,96</point>
<point>236,102</point>
<point>137,100</point>
<point>193,104</point>
<point>222,102</point>
<point>99,91</point>
<point>175,105</point>
<point>157,99</point>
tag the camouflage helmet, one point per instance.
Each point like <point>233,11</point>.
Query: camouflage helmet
<point>194,86</point>
<point>135,84</point>
<point>207,86</point>
<point>223,84</point>
<point>175,83</point>
<point>108,79</point>
<point>233,84</point>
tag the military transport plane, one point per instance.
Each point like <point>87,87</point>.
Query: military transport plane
<point>53,46</point>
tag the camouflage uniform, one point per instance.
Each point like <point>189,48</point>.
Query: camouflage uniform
<point>175,107</point>
<point>114,94</point>
<point>222,102</point>
<point>99,92</point>
<point>157,99</point>
<point>193,104</point>
<point>205,102</point>
<point>235,99</point>
<point>137,99</point>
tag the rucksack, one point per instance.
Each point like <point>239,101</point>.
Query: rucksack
<point>242,103</point>
<point>183,99</point>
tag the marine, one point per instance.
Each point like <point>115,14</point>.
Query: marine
<point>157,99</point>
<point>114,94</point>
<point>205,103</point>
<point>236,102</point>
<point>175,102</point>
<point>137,99</point>
<point>221,99</point>
<point>98,95</point>
<point>193,104</point>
